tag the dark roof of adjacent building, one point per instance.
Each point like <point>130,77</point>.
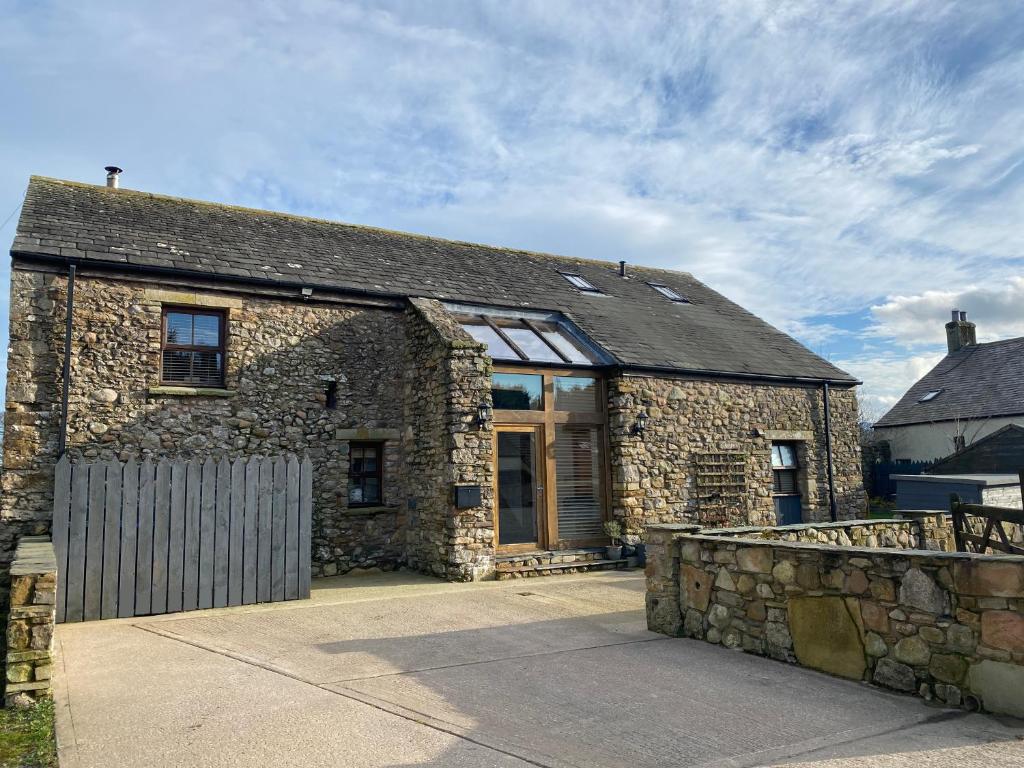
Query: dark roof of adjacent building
<point>637,325</point>
<point>1000,452</point>
<point>978,381</point>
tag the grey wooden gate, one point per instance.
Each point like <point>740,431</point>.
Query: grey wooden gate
<point>135,539</point>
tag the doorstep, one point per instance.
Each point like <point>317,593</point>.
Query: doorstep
<point>552,562</point>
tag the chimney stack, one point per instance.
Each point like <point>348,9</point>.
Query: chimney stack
<point>112,173</point>
<point>960,332</point>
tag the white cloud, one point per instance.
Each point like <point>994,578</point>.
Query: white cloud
<point>804,158</point>
<point>917,320</point>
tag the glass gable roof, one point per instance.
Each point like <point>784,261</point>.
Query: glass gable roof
<point>535,337</point>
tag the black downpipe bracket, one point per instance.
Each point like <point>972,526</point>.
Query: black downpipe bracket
<point>832,512</point>
<point>66,384</point>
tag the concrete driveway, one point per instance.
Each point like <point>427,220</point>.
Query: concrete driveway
<point>402,670</point>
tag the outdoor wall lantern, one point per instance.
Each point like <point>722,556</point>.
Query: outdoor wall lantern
<point>483,414</point>
<point>641,423</point>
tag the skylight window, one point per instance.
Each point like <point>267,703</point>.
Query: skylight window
<point>533,337</point>
<point>669,293</point>
<point>929,395</point>
<point>580,282</point>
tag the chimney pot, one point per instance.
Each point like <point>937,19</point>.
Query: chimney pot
<point>963,317</point>
<point>112,173</point>
<point>622,268</point>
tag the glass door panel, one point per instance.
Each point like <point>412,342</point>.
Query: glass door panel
<point>519,485</point>
<point>578,481</point>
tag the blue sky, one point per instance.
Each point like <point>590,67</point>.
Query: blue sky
<point>848,171</point>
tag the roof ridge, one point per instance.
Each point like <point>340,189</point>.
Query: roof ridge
<point>335,223</point>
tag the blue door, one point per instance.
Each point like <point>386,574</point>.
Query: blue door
<point>788,511</point>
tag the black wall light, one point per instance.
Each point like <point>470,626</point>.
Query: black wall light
<point>640,426</point>
<point>483,414</point>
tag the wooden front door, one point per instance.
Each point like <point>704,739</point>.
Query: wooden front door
<point>519,478</point>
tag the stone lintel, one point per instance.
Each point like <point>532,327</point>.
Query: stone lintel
<point>796,435</point>
<point>366,433</point>
<point>361,511</point>
<point>191,298</point>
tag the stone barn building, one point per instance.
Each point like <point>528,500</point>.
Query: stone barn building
<point>461,404</point>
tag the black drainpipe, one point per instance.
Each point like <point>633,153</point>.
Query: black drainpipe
<point>62,445</point>
<point>828,456</point>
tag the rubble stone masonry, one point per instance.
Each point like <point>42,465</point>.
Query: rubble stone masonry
<point>654,477</point>
<point>948,626</point>
<point>281,355</point>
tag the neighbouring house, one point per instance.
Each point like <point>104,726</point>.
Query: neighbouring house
<point>1001,452</point>
<point>974,391</point>
<point>461,404</point>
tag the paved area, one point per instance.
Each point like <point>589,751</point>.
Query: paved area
<point>401,670</point>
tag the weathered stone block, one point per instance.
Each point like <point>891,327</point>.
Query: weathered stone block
<point>989,579</point>
<point>696,587</point>
<point>875,617</point>
<point>892,674</point>
<point>913,650</point>
<point>827,636</point>
<point>1003,629</point>
<point>754,559</point>
<point>999,686</point>
<point>948,667</point>
<point>919,590</point>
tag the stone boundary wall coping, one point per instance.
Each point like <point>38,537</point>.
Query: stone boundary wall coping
<point>34,555</point>
<point>30,622</point>
<point>868,551</point>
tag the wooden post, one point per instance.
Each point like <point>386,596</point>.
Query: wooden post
<point>958,522</point>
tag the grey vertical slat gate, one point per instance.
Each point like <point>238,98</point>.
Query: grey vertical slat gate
<point>136,539</point>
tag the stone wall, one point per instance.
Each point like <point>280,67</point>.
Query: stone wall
<point>447,375</point>
<point>1002,496</point>
<point>887,534</point>
<point>654,477</point>
<point>30,622</point>
<point>941,625</point>
<point>281,354</point>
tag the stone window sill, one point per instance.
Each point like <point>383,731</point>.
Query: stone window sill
<point>164,391</point>
<point>359,511</point>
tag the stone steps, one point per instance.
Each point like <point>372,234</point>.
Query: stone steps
<point>505,571</point>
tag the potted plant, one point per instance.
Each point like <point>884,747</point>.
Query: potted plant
<point>614,531</point>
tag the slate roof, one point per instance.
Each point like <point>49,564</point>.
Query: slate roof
<point>634,323</point>
<point>976,382</point>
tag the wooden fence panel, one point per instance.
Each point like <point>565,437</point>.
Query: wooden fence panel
<point>129,539</point>
<point>133,540</point>
<point>144,542</point>
<point>291,531</point>
<point>94,541</point>
<point>305,526</point>
<point>76,543</point>
<point>111,566</point>
<point>263,564</point>
<point>250,532</point>
<point>176,539</point>
<point>221,526</point>
<point>235,532</point>
<point>161,532</point>
<point>61,523</point>
<point>193,487</point>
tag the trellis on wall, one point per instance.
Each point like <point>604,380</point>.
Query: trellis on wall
<point>720,487</point>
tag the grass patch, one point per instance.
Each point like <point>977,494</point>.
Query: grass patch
<point>26,737</point>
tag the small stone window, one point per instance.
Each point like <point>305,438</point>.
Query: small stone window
<point>365,474</point>
<point>192,347</point>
